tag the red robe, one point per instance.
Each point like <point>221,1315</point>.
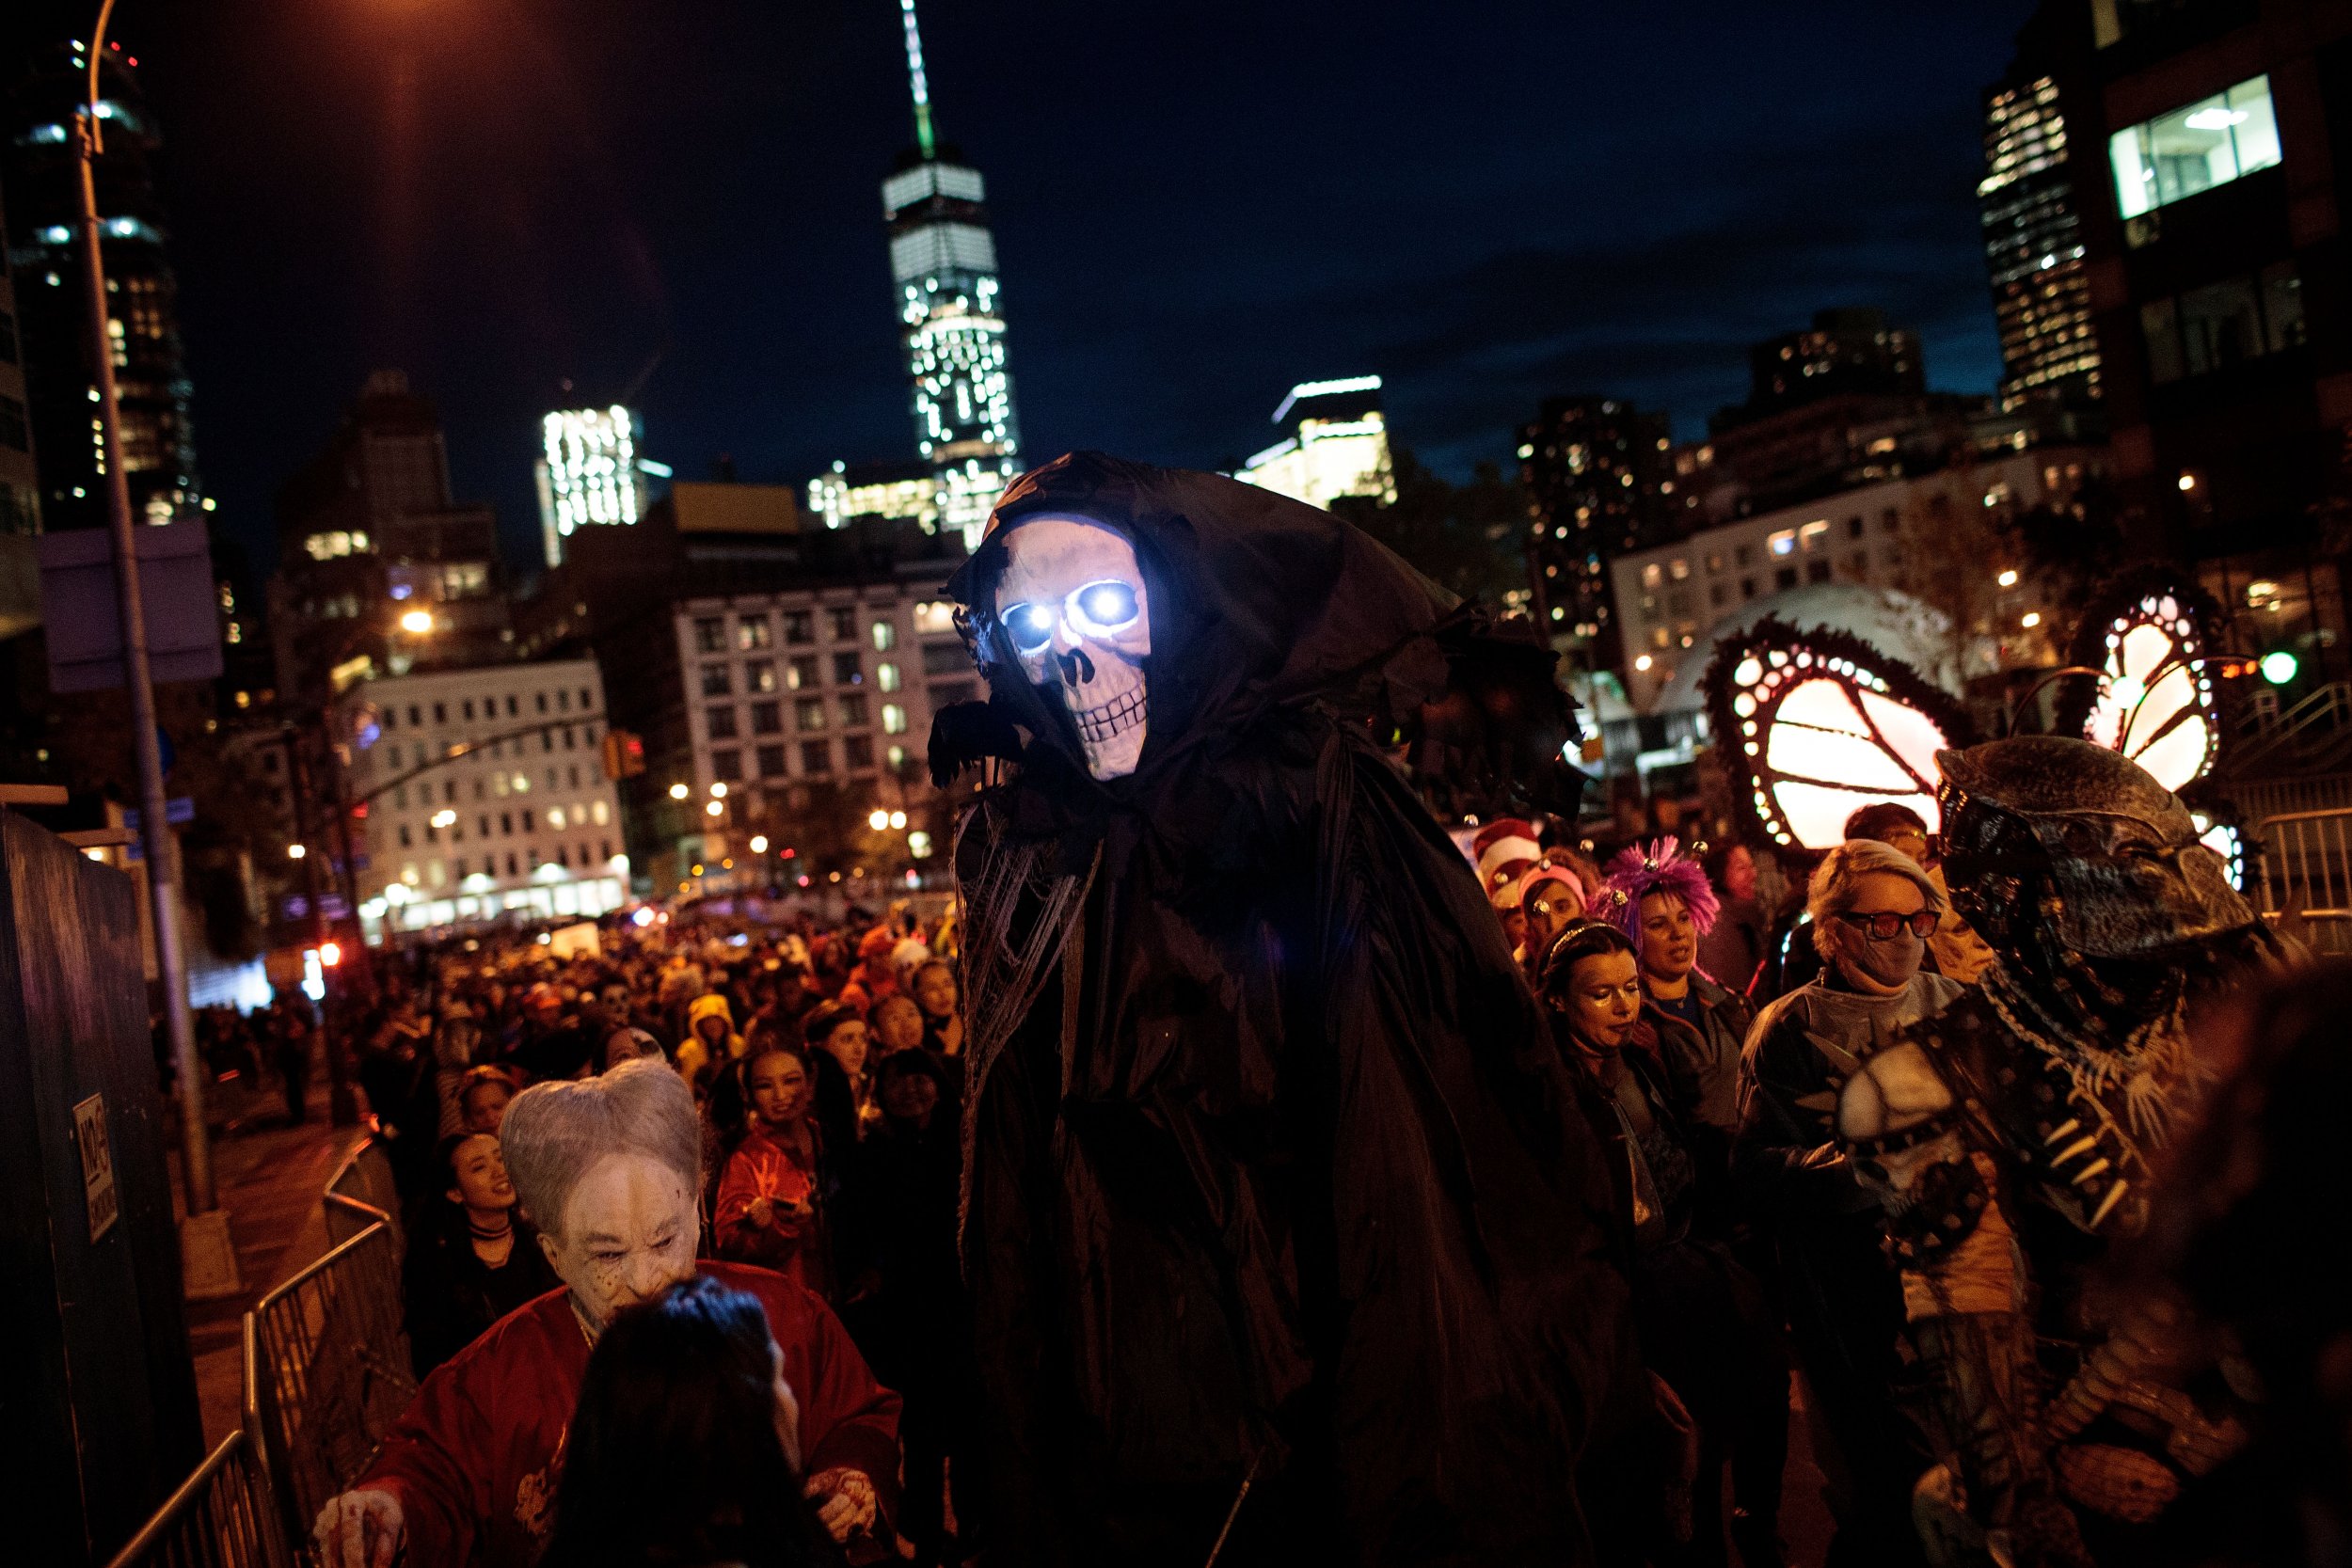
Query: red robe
<point>475,1457</point>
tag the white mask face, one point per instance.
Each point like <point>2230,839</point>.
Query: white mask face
<point>1073,605</point>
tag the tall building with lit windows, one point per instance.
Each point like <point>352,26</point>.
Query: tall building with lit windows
<point>19,481</point>
<point>943,260</point>
<point>380,571</point>
<point>846,493</point>
<point>591,472</point>
<point>2210,170</point>
<point>2033,247</point>
<point>1336,444</point>
<point>1599,480</point>
<point>41,176</point>
<point>487,794</point>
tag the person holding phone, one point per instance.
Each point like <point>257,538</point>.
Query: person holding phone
<point>768,1210</point>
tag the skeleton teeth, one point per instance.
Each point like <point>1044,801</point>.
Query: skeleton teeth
<point>1119,714</point>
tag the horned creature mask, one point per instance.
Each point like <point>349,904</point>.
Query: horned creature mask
<point>1074,608</point>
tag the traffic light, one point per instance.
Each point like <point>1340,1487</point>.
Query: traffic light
<point>624,754</point>
<point>2279,666</point>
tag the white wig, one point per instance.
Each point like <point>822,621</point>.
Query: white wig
<point>553,1133</point>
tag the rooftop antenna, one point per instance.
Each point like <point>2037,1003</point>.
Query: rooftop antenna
<point>915,74</point>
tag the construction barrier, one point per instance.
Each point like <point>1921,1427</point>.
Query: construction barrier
<point>328,1370</point>
<point>2306,876</point>
<point>223,1516</point>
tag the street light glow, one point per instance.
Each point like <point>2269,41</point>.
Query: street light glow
<point>715,807</point>
<point>679,792</point>
<point>878,820</point>
<point>759,844</point>
<point>2031,619</point>
<point>2008,579</point>
<point>296,851</point>
<point>444,818</point>
<point>718,791</point>
<point>417,620</point>
<point>897,820</point>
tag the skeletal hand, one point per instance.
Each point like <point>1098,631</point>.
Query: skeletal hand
<point>359,1529</point>
<point>848,1505</point>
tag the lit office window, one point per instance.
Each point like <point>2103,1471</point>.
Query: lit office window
<point>2195,148</point>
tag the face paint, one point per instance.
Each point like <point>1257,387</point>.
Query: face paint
<point>1073,607</point>
<point>1603,998</point>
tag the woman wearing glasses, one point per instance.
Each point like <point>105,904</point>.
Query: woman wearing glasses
<point>1872,909</point>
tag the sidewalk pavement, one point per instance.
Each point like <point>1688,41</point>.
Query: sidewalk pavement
<point>268,1176</point>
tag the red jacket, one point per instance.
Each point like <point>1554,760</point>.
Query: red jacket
<point>763,1168</point>
<point>475,1458</point>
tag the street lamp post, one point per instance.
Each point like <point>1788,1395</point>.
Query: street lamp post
<point>154,832</point>
<point>342,1105</point>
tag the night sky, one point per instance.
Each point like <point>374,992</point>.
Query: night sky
<point>1195,206</point>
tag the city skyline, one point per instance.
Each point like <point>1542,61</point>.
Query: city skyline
<point>1464,241</point>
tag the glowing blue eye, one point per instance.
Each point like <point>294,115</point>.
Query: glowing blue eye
<point>1110,605</point>
<point>1031,627</point>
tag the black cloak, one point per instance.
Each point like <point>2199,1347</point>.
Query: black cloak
<point>1281,1226</point>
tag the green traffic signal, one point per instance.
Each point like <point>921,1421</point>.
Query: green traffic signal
<point>2278,666</point>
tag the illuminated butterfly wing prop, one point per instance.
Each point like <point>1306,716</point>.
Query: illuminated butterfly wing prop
<point>2146,632</point>
<point>1816,724</point>
<point>2219,832</point>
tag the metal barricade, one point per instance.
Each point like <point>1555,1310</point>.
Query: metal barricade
<point>223,1516</point>
<point>364,1180</point>
<point>346,1217</point>
<point>2306,884</point>
<point>328,1370</point>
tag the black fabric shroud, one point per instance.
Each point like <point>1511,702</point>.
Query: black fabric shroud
<point>1279,1178</point>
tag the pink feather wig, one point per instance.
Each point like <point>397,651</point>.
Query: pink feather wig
<point>1634,873</point>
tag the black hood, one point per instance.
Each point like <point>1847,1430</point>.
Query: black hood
<point>1259,602</point>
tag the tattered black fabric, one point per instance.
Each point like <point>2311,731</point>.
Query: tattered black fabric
<point>1283,1231</point>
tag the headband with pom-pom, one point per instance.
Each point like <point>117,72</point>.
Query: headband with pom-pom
<point>1635,873</point>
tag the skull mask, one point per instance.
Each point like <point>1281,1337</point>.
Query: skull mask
<point>1073,607</point>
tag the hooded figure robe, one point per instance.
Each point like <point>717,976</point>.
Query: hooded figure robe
<point>1281,1226</point>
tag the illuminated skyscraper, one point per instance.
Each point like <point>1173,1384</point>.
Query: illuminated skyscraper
<point>2033,248</point>
<point>43,180</point>
<point>1599,473</point>
<point>876,490</point>
<point>590,472</point>
<point>1336,445</point>
<point>943,260</point>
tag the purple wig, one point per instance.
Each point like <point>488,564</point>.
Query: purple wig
<point>1635,873</point>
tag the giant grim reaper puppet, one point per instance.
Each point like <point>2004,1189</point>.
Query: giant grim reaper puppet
<point>1283,1236</point>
